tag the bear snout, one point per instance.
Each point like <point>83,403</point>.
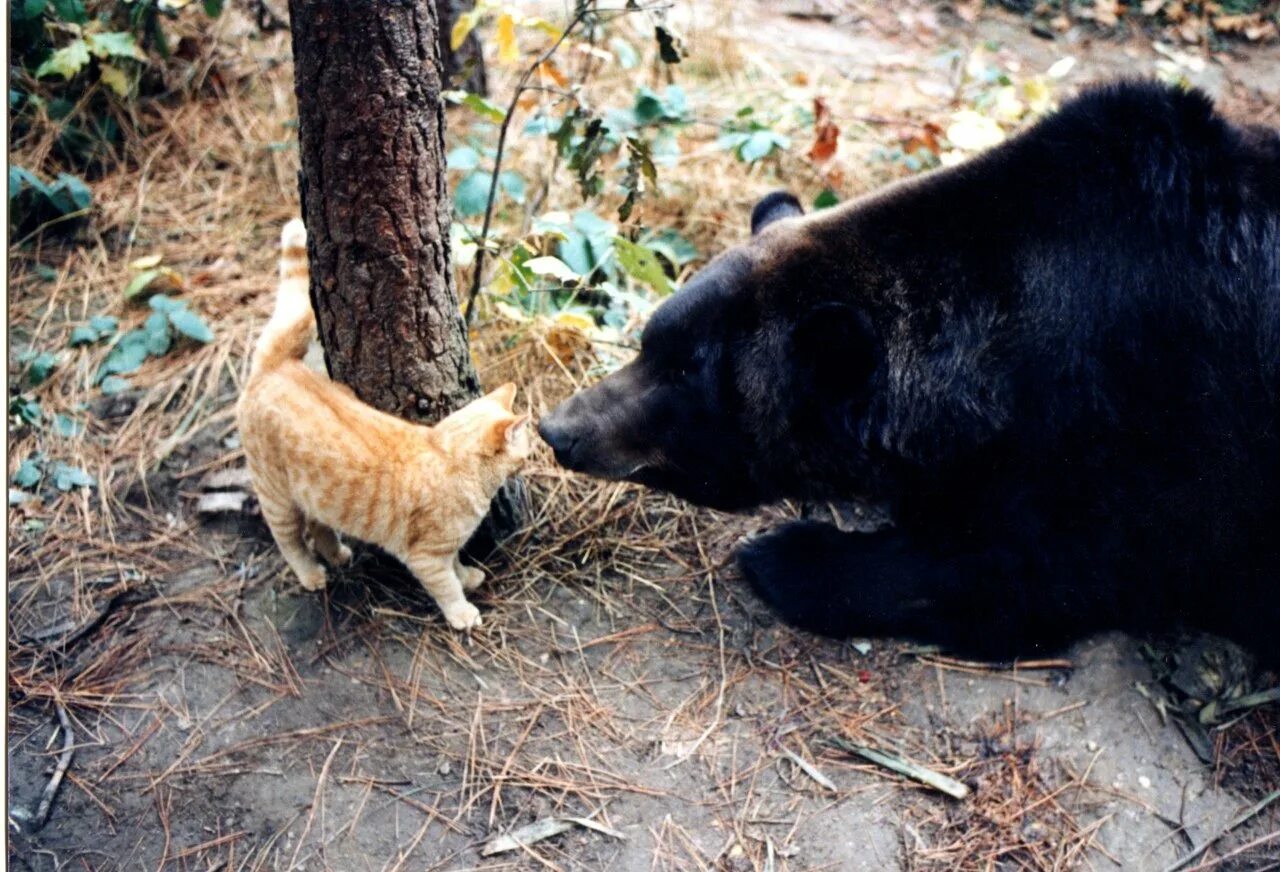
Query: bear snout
<point>556,432</point>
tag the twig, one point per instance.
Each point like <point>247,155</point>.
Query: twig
<point>64,761</point>
<point>809,769</point>
<point>914,771</point>
<point>1245,817</point>
<point>478,275</point>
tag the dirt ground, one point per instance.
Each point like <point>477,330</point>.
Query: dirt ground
<point>626,681</point>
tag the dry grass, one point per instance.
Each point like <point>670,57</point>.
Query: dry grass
<point>618,669</point>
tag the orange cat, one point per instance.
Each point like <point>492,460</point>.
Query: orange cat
<point>323,462</point>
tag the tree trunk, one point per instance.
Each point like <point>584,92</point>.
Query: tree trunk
<point>463,68</point>
<point>377,210</point>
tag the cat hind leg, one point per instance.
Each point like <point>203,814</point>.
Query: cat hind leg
<point>327,545</point>
<point>286,525</point>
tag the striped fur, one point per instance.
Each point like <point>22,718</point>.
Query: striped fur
<point>324,463</point>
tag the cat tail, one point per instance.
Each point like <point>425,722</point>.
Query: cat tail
<point>292,324</point>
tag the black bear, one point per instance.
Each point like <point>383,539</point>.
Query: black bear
<point>1058,363</point>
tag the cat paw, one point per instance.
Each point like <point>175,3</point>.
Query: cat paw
<point>313,579</point>
<point>471,577</point>
<point>343,555</point>
<point>463,616</point>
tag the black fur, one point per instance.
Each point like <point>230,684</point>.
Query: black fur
<point>1058,362</point>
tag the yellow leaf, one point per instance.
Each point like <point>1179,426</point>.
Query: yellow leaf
<point>508,52</point>
<point>114,78</point>
<point>970,131</point>
<point>576,321</point>
<point>148,262</point>
<point>1038,96</point>
<point>545,26</point>
<point>1008,108</point>
<point>461,30</point>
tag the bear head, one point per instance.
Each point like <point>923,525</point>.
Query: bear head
<point>752,381</point>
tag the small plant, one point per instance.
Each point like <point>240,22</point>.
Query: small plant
<point>153,339</point>
<point>80,65</point>
<point>36,470</point>
<point>749,138</point>
<point>471,194</point>
<point>34,203</point>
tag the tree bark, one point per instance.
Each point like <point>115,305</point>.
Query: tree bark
<point>377,210</point>
<point>463,68</point>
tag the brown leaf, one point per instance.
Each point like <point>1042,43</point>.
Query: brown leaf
<point>827,137</point>
<point>548,70</point>
<point>926,136</point>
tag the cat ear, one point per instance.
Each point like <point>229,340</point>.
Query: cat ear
<point>507,433</point>
<point>504,396</point>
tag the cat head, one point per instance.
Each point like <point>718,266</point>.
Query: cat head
<point>491,425</point>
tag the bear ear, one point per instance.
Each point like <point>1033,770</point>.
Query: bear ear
<point>836,351</point>
<point>779,204</point>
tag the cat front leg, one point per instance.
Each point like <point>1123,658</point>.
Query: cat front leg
<point>285,522</point>
<point>437,576</point>
<point>471,576</point>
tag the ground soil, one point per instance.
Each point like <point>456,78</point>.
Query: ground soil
<point>223,718</point>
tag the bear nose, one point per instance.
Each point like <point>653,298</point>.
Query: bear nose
<point>559,437</point>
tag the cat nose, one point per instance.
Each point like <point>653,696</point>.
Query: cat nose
<point>559,437</point>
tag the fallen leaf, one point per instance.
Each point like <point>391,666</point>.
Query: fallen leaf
<point>971,131</point>
<point>827,135</point>
<point>1061,67</point>
<point>537,831</point>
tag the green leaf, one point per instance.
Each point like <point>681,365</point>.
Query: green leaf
<point>112,385</point>
<point>161,303</point>
<point>191,325</point>
<point>33,8</point>
<point>463,158</point>
<point>39,365</point>
<point>29,472</point>
<point>84,336</point>
<point>731,140</point>
<point>472,194</point>
<point>70,10</point>
<point>104,324</point>
<point>139,283</point>
<point>66,426</point>
<point>627,56</point>
<point>213,8</point>
<point>26,409</point>
<point>826,199</point>
<point>666,45</point>
<point>129,353</point>
<point>66,61</point>
<point>21,178</point>
<point>513,184</point>
<point>18,497</point>
<point>674,247</point>
<point>477,104</point>
<point>115,44</point>
<point>553,267</point>
<point>642,264</point>
<point>760,143</point>
<point>67,477</point>
<point>156,328</point>
<point>70,194</point>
